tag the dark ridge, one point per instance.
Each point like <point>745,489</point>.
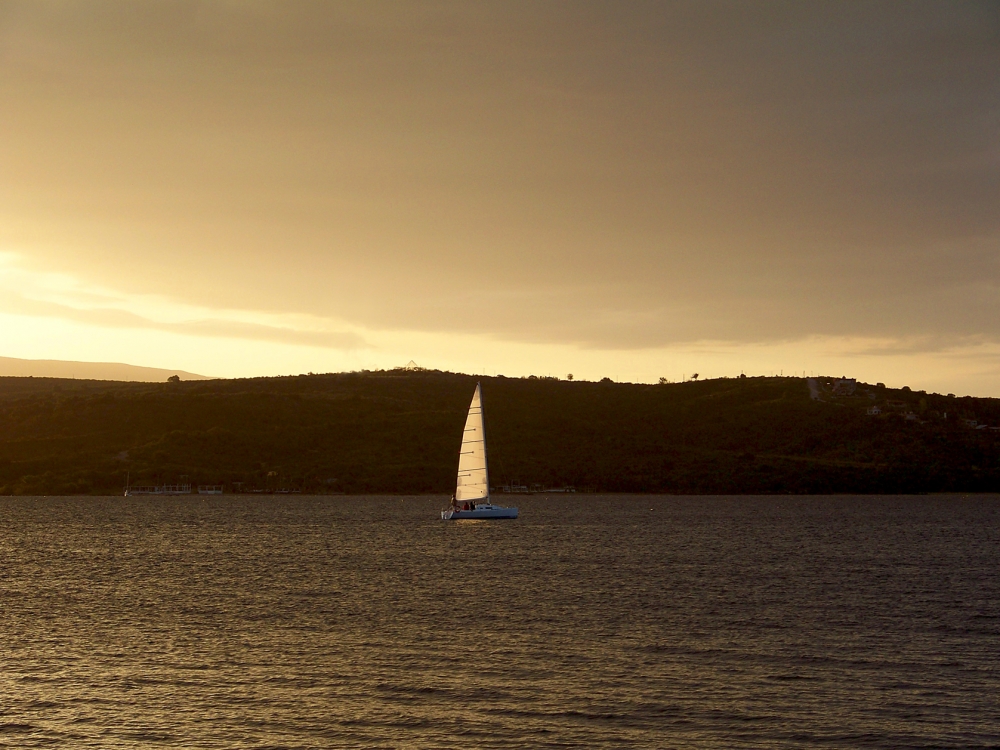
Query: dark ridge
<point>399,431</point>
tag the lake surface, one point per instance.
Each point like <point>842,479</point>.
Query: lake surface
<point>591,621</point>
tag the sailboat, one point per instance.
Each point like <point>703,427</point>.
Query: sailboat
<point>472,490</point>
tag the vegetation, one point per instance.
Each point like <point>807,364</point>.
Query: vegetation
<point>399,431</point>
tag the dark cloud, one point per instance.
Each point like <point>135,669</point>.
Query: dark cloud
<point>607,174</point>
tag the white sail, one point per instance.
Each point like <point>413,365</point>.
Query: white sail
<point>473,480</point>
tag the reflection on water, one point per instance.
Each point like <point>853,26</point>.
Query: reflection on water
<point>589,622</point>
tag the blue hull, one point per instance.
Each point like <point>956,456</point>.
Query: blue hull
<point>491,511</point>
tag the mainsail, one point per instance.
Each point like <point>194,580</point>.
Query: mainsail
<point>473,481</point>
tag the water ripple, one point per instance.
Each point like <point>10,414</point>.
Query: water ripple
<point>589,622</point>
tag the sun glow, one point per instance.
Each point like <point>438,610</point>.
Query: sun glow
<point>47,315</point>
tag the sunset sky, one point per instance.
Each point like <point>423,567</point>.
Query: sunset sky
<point>630,190</point>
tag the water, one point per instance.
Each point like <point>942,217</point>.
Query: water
<point>600,622</point>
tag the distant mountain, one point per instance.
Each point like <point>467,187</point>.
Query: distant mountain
<point>400,432</point>
<point>53,368</point>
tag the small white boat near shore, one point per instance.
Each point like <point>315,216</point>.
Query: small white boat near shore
<point>472,491</point>
<point>159,489</point>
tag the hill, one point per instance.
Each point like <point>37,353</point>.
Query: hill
<point>53,368</point>
<point>399,431</point>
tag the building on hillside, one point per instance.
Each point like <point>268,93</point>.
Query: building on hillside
<point>844,387</point>
<point>874,411</point>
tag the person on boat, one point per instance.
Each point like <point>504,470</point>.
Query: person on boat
<point>465,506</point>
<point>454,503</point>
<point>472,506</point>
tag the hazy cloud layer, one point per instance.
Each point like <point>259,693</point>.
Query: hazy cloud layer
<point>110,317</point>
<point>56,295</point>
<point>605,174</point>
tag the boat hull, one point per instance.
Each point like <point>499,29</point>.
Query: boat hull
<point>489,511</point>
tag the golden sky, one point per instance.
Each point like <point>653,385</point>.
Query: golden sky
<point>630,190</point>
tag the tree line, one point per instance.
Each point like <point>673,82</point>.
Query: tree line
<point>399,432</point>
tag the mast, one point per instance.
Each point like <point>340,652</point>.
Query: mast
<point>482,421</point>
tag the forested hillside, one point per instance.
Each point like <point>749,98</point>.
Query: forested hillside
<point>399,431</point>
